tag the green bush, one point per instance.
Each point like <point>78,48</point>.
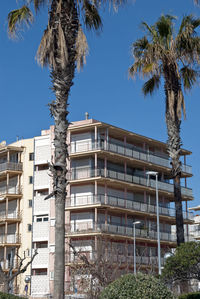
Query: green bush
<point>8,296</point>
<point>140,286</point>
<point>190,296</point>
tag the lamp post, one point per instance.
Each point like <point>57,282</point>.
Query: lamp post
<point>134,247</point>
<point>154,173</point>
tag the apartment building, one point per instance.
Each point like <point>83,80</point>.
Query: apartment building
<point>16,193</point>
<point>108,190</point>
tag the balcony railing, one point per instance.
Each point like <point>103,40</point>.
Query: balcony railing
<point>123,203</point>
<point>10,190</point>
<point>6,264</point>
<point>114,258</point>
<point>10,239</point>
<point>10,166</point>
<point>11,215</point>
<point>90,227</point>
<point>87,172</point>
<point>135,153</point>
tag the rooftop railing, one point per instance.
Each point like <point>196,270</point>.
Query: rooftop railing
<point>90,227</point>
<point>87,200</point>
<point>10,166</point>
<point>135,153</point>
<point>87,172</point>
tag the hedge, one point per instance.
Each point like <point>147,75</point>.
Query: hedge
<point>8,296</point>
<point>190,296</point>
<point>140,286</point>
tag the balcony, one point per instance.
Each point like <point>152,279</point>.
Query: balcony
<point>10,190</point>
<point>136,153</point>
<point>41,205</point>
<point>87,172</point>
<point>6,264</point>
<point>10,239</point>
<point>42,258</point>
<point>115,258</point>
<point>89,200</point>
<point>89,227</point>
<point>39,285</point>
<point>10,166</point>
<point>41,179</point>
<point>12,215</point>
<point>40,231</point>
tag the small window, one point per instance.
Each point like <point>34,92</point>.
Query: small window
<point>29,227</point>
<point>45,219</point>
<point>30,203</point>
<point>30,180</point>
<point>39,220</point>
<point>31,156</point>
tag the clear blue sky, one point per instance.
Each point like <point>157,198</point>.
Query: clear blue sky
<point>102,88</point>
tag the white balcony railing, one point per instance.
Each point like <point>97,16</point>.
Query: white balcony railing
<point>134,152</point>
<point>10,166</point>
<point>10,239</point>
<point>42,258</point>
<point>40,231</point>
<point>90,227</point>
<point>87,172</point>
<point>39,285</point>
<point>86,200</point>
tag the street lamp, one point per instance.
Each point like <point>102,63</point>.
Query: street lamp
<point>154,173</point>
<point>134,247</point>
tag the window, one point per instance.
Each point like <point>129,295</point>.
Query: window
<point>30,180</point>
<point>31,156</point>
<point>39,272</point>
<point>29,227</point>
<point>43,244</point>
<point>30,203</point>
<point>42,218</point>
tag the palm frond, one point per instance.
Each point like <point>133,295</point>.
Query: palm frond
<point>81,49</point>
<point>92,18</point>
<point>45,52</point>
<point>189,77</point>
<point>181,105</point>
<point>136,68</point>
<point>150,29</point>
<point>17,18</point>
<point>151,85</point>
<point>164,26</point>
<point>139,46</point>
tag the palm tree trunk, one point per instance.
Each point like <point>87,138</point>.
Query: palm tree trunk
<point>62,80</point>
<point>174,145</point>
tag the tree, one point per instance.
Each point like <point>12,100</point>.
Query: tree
<point>7,277</point>
<point>96,269</point>
<point>184,264</point>
<point>62,46</point>
<point>174,58</point>
<point>136,286</point>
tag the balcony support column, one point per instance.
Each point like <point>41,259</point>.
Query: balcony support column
<point>95,137</point>
<point>8,156</point>
<point>106,193</point>
<point>6,207</point>
<point>125,196</point>
<point>4,257</point>
<point>6,232</point>
<point>105,167</point>
<point>7,183</point>
<point>145,197</point>
<point>124,145</point>
<point>95,243</point>
<point>18,185</point>
<point>95,164</point>
<point>95,218</point>
<point>95,189</point>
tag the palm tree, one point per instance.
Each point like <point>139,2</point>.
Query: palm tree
<point>63,47</point>
<point>163,54</point>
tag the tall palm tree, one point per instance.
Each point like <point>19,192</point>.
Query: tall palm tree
<point>63,47</point>
<point>173,57</point>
